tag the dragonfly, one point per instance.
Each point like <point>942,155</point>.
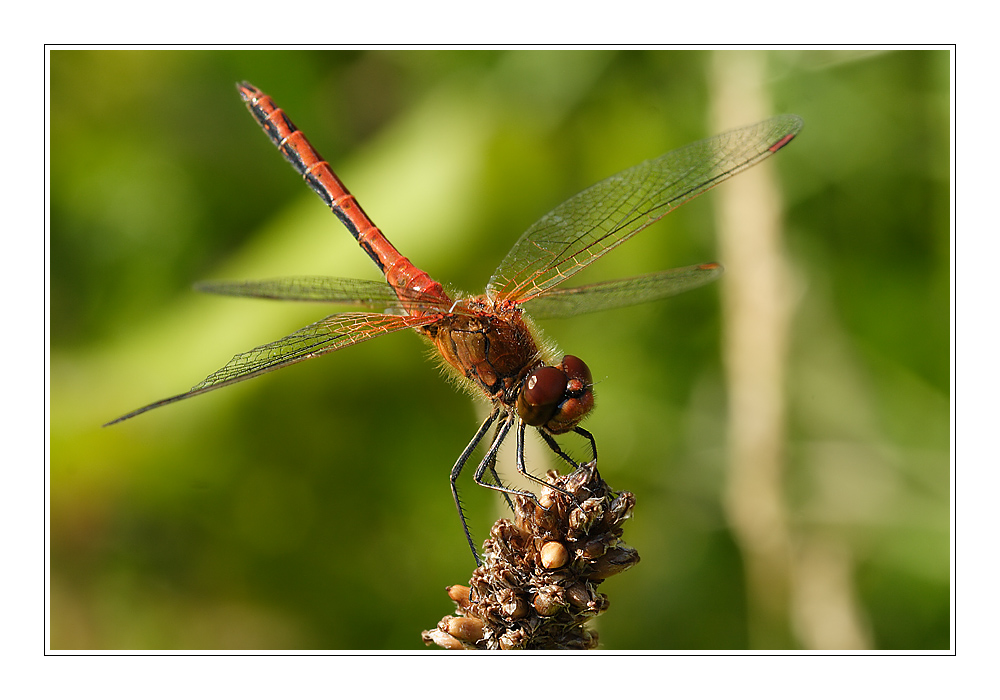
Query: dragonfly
<point>489,341</point>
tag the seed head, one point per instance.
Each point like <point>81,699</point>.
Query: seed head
<point>537,586</point>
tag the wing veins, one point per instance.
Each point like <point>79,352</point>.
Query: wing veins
<point>320,338</point>
<point>588,225</point>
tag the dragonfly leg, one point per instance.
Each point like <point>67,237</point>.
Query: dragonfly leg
<point>593,443</point>
<point>490,459</point>
<point>493,470</point>
<point>520,459</point>
<point>457,469</point>
<point>554,446</point>
<point>593,447</point>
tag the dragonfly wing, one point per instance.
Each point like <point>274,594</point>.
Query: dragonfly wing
<point>332,333</point>
<point>368,294</point>
<point>589,224</point>
<point>561,303</point>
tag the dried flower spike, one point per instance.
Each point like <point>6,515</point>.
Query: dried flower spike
<point>537,586</point>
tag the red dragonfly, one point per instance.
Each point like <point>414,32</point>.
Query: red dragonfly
<point>488,340</point>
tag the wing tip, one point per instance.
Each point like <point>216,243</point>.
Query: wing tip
<point>792,125</point>
<point>149,407</point>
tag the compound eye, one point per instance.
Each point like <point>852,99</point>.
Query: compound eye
<point>578,399</point>
<point>577,369</point>
<point>540,394</point>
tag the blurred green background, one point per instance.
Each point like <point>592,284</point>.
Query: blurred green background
<point>309,508</point>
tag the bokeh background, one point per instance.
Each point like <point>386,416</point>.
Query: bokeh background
<point>309,509</point>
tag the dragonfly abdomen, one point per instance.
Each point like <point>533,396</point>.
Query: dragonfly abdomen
<point>398,270</point>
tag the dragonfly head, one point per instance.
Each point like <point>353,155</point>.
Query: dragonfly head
<point>557,397</point>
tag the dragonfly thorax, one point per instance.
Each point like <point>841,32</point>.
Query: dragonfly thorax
<point>494,347</point>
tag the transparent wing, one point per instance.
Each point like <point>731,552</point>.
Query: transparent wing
<point>589,224</point>
<point>332,333</point>
<point>368,294</point>
<point>560,303</point>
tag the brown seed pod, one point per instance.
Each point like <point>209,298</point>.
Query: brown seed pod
<point>466,629</point>
<point>553,555</point>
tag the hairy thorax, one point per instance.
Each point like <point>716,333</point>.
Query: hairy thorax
<point>491,345</point>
